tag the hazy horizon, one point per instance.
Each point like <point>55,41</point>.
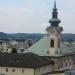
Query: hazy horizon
<point>30,33</point>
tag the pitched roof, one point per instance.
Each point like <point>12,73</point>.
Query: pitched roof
<point>41,48</point>
<point>27,60</point>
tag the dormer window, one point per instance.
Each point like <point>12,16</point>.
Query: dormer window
<point>52,43</point>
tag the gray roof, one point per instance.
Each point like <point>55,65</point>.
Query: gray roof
<point>27,60</point>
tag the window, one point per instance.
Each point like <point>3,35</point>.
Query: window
<point>58,43</point>
<point>70,63</point>
<point>22,70</point>
<point>59,66</point>
<point>66,64</point>
<point>52,43</point>
<point>6,69</point>
<point>13,70</point>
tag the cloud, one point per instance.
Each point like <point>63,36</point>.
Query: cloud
<point>14,19</point>
<point>33,15</point>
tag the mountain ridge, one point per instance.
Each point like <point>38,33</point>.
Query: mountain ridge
<point>33,36</point>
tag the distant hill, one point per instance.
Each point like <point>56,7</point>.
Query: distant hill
<point>67,36</point>
<point>4,36</point>
<point>33,36</point>
<point>21,36</point>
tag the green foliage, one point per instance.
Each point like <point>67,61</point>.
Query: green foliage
<point>14,50</point>
<point>30,43</point>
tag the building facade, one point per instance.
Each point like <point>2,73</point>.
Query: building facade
<point>24,64</point>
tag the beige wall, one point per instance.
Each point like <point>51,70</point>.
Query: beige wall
<point>53,34</point>
<point>18,71</point>
<point>57,74</point>
<point>60,63</point>
<point>27,71</point>
<point>43,70</point>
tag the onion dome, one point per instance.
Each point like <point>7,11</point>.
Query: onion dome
<point>54,20</point>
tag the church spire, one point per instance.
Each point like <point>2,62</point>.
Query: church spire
<point>54,13</point>
<point>54,21</point>
<point>55,4</point>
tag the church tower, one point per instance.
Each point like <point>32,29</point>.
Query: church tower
<point>54,32</point>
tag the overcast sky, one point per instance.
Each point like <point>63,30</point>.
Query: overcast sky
<point>32,16</point>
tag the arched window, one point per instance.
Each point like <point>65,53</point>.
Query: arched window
<point>66,64</point>
<point>58,43</point>
<point>22,70</point>
<point>52,43</point>
<point>13,70</point>
<point>6,69</point>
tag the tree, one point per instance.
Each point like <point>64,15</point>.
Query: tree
<point>14,50</point>
<point>30,43</point>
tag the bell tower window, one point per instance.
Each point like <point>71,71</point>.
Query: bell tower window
<point>58,43</point>
<point>52,43</point>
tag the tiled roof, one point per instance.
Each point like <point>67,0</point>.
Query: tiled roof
<point>27,60</point>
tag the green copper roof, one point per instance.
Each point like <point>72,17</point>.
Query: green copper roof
<point>41,48</point>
